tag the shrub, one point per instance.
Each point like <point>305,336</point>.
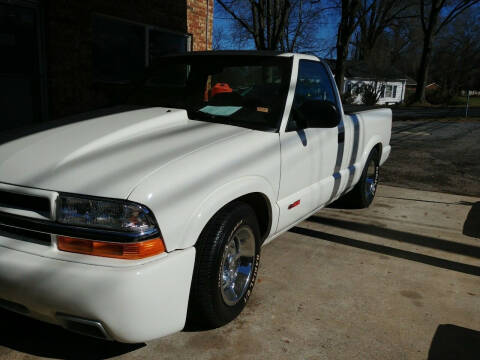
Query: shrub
<point>456,100</point>
<point>348,98</point>
<point>438,97</point>
<point>370,95</point>
<point>410,98</point>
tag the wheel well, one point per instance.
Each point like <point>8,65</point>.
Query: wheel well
<point>261,205</point>
<point>379,148</point>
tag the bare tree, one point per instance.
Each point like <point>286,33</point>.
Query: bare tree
<point>266,21</point>
<point>373,17</point>
<point>218,38</point>
<point>381,15</point>
<point>432,23</point>
<point>302,26</point>
<point>457,54</point>
<point>350,14</point>
<point>287,25</point>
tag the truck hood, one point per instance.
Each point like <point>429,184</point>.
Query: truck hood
<point>107,156</point>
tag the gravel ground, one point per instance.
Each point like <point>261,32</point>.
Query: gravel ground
<point>435,155</point>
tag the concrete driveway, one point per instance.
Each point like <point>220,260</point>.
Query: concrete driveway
<point>400,280</point>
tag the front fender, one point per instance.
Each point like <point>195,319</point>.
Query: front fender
<point>221,197</point>
<point>183,215</point>
<point>187,192</point>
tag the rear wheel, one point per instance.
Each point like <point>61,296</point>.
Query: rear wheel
<point>226,266</point>
<point>364,191</point>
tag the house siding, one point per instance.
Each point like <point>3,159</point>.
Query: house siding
<point>399,96</point>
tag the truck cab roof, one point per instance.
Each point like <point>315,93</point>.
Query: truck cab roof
<point>265,53</point>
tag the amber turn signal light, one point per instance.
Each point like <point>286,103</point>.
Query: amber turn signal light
<point>128,251</point>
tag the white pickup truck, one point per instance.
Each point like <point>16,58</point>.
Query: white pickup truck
<point>120,226</point>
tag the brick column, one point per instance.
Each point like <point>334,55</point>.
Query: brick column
<point>197,13</point>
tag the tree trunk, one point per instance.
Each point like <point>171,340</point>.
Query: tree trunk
<point>343,40</point>
<point>342,53</point>
<point>429,29</point>
<point>423,69</point>
<point>345,31</point>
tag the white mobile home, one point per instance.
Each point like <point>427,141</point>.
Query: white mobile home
<point>390,83</point>
<point>392,91</point>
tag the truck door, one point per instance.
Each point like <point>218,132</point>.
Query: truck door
<point>308,155</point>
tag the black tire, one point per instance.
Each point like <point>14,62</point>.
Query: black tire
<point>208,307</point>
<point>364,191</point>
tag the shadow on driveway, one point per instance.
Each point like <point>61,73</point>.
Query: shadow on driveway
<point>391,251</point>
<point>454,342</point>
<point>33,337</point>
<point>471,227</point>
<point>402,236</point>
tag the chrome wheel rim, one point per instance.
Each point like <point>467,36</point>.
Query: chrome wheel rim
<point>237,265</point>
<point>371,180</point>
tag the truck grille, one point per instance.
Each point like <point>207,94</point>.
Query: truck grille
<point>17,201</point>
<point>18,207</point>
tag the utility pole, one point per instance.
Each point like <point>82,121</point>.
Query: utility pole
<point>468,100</point>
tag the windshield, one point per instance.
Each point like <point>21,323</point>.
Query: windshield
<point>248,91</point>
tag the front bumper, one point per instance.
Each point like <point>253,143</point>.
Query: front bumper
<point>132,303</point>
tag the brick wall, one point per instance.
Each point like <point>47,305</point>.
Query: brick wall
<point>196,23</point>
<point>69,37</point>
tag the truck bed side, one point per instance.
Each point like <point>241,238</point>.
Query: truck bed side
<point>374,127</point>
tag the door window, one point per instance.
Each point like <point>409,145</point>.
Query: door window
<point>313,83</point>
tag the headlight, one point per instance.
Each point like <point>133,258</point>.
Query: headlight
<point>115,215</point>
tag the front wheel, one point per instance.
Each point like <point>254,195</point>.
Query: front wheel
<point>226,266</point>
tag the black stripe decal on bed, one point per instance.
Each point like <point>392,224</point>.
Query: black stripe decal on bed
<point>353,158</point>
<point>337,177</point>
<point>341,146</point>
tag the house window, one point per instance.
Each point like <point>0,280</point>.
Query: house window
<point>118,50</point>
<point>394,92</point>
<point>123,49</point>
<point>388,91</point>
<point>163,42</point>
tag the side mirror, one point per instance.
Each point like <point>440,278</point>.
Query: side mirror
<point>319,114</point>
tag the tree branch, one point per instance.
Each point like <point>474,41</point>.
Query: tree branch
<point>236,17</point>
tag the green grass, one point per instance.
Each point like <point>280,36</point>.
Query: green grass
<point>474,101</point>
